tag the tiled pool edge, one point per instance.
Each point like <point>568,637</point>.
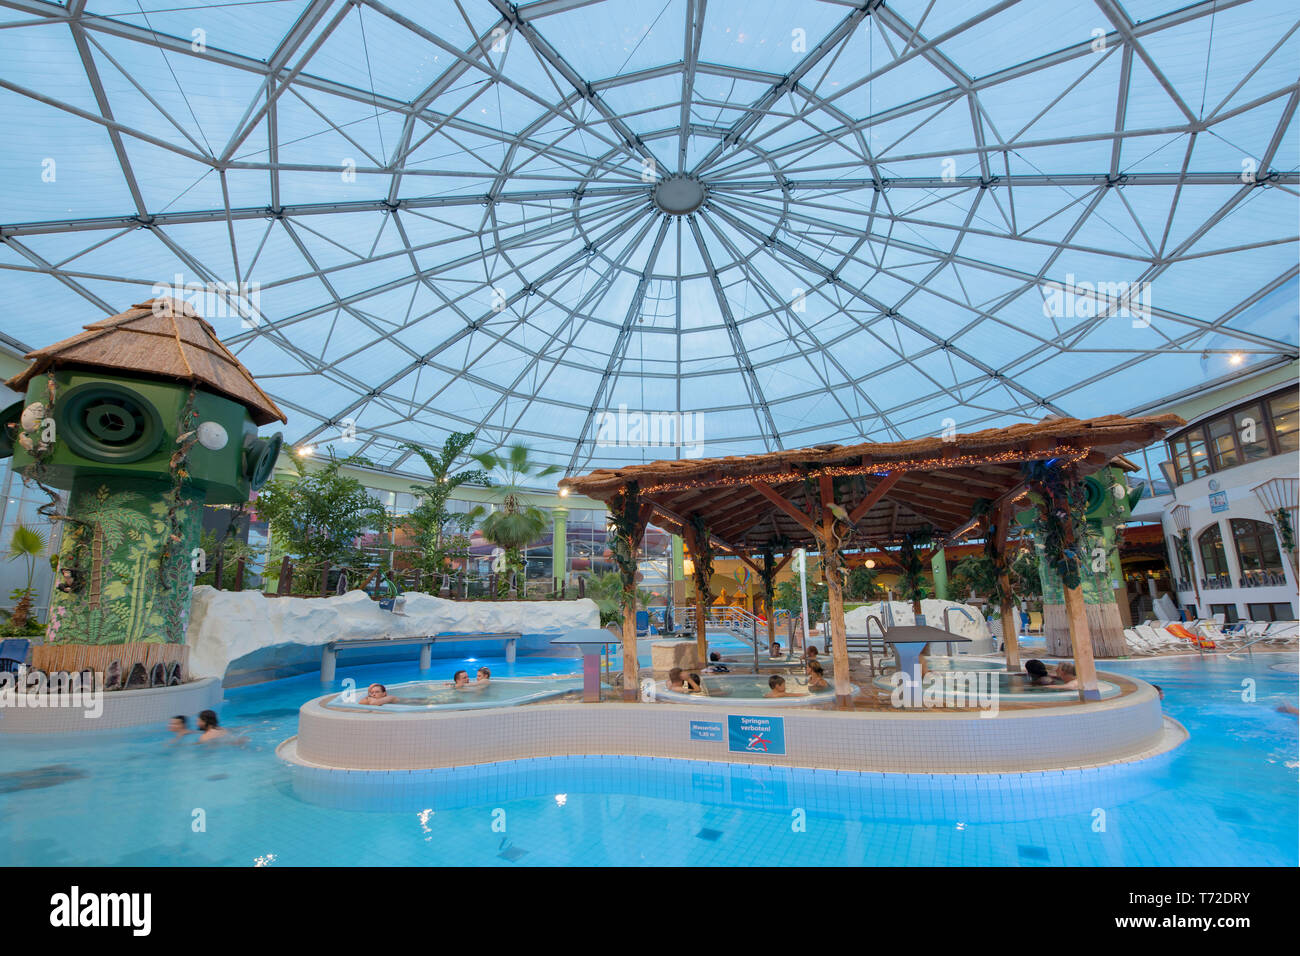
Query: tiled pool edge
<point>1056,738</point>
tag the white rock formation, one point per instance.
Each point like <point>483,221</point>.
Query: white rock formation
<point>982,642</point>
<point>227,625</point>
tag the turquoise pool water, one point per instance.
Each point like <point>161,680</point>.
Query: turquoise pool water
<point>1226,797</point>
<point>728,690</point>
<point>425,695</point>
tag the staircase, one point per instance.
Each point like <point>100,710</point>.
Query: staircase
<point>739,622</point>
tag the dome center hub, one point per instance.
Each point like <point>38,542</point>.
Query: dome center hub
<point>679,195</point>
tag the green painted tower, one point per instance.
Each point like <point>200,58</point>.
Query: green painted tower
<point>143,418</point>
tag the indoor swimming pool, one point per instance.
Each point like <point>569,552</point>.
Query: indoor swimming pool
<point>134,797</point>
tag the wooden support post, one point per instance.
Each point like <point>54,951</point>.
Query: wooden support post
<point>1009,639</point>
<point>325,579</point>
<point>582,588</point>
<point>219,569</point>
<point>239,575</point>
<point>1085,667</point>
<point>701,612</point>
<point>769,586</point>
<point>285,583</point>
<point>835,598</point>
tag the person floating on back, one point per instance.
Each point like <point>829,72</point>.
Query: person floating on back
<point>715,664</point>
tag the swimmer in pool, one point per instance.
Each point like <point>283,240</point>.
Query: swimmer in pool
<point>816,677</point>
<point>179,726</point>
<point>774,651</point>
<point>675,681</point>
<point>482,678</point>
<point>1037,672</point>
<point>459,680</point>
<point>209,730</point>
<point>376,696</point>
<point>777,684</point>
<point>1066,675</point>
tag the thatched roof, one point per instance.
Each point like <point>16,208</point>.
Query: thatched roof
<point>934,482</point>
<point>165,338</point>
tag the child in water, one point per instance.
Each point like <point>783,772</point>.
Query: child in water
<point>816,677</point>
<point>777,684</point>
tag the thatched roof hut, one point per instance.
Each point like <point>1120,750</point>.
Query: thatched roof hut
<point>165,338</point>
<point>900,486</point>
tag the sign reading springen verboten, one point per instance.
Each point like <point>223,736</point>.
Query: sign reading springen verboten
<point>755,735</point>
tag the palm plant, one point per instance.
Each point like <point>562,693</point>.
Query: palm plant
<point>440,534</point>
<point>27,544</point>
<point>607,591</point>
<point>515,524</point>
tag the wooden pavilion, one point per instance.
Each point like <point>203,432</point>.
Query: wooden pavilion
<point>830,498</point>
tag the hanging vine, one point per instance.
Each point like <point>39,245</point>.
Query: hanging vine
<point>984,512</point>
<point>1284,529</point>
<point>179,466</point>
<point>624,512</point>
<point>1059,516</point>
<point>702,556</point>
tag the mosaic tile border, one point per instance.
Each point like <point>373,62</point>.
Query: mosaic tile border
<point>1050,738</point>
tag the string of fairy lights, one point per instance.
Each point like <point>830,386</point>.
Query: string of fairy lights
<point>1066,454</point>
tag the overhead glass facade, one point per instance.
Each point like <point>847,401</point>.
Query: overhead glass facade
<point>771,224</point>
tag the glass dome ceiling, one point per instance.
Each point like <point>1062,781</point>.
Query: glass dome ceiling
<point>795,222</point>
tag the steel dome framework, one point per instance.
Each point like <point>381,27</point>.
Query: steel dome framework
<point>804,222</point>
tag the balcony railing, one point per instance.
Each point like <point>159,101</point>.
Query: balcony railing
<point>1216,582</point>
<point>1262,579</point>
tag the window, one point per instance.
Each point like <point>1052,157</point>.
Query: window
<point>1229,612</point>
<point>1223,444</point>
<point>1252,432</point>
<point>1258,555</point>
<point>1270,612</point>
<point>1282,410</point>
<point>1213,559</point>
<point>1237,436</point>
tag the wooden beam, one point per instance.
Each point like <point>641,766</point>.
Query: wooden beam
<point>673,518</point>
<point>767,492</point>
<point>876,493</point>
<point>835,598</point>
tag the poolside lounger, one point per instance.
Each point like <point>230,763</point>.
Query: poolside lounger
<point>1137,643</point>
<point>13,653</point>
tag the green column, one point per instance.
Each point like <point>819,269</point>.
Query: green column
<point>679,555</point>
<point>939,567</point>
<point>114,543</point>
<point>559,543</point>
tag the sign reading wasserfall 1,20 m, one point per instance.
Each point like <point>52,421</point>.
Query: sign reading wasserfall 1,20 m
<point>755,735</point>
